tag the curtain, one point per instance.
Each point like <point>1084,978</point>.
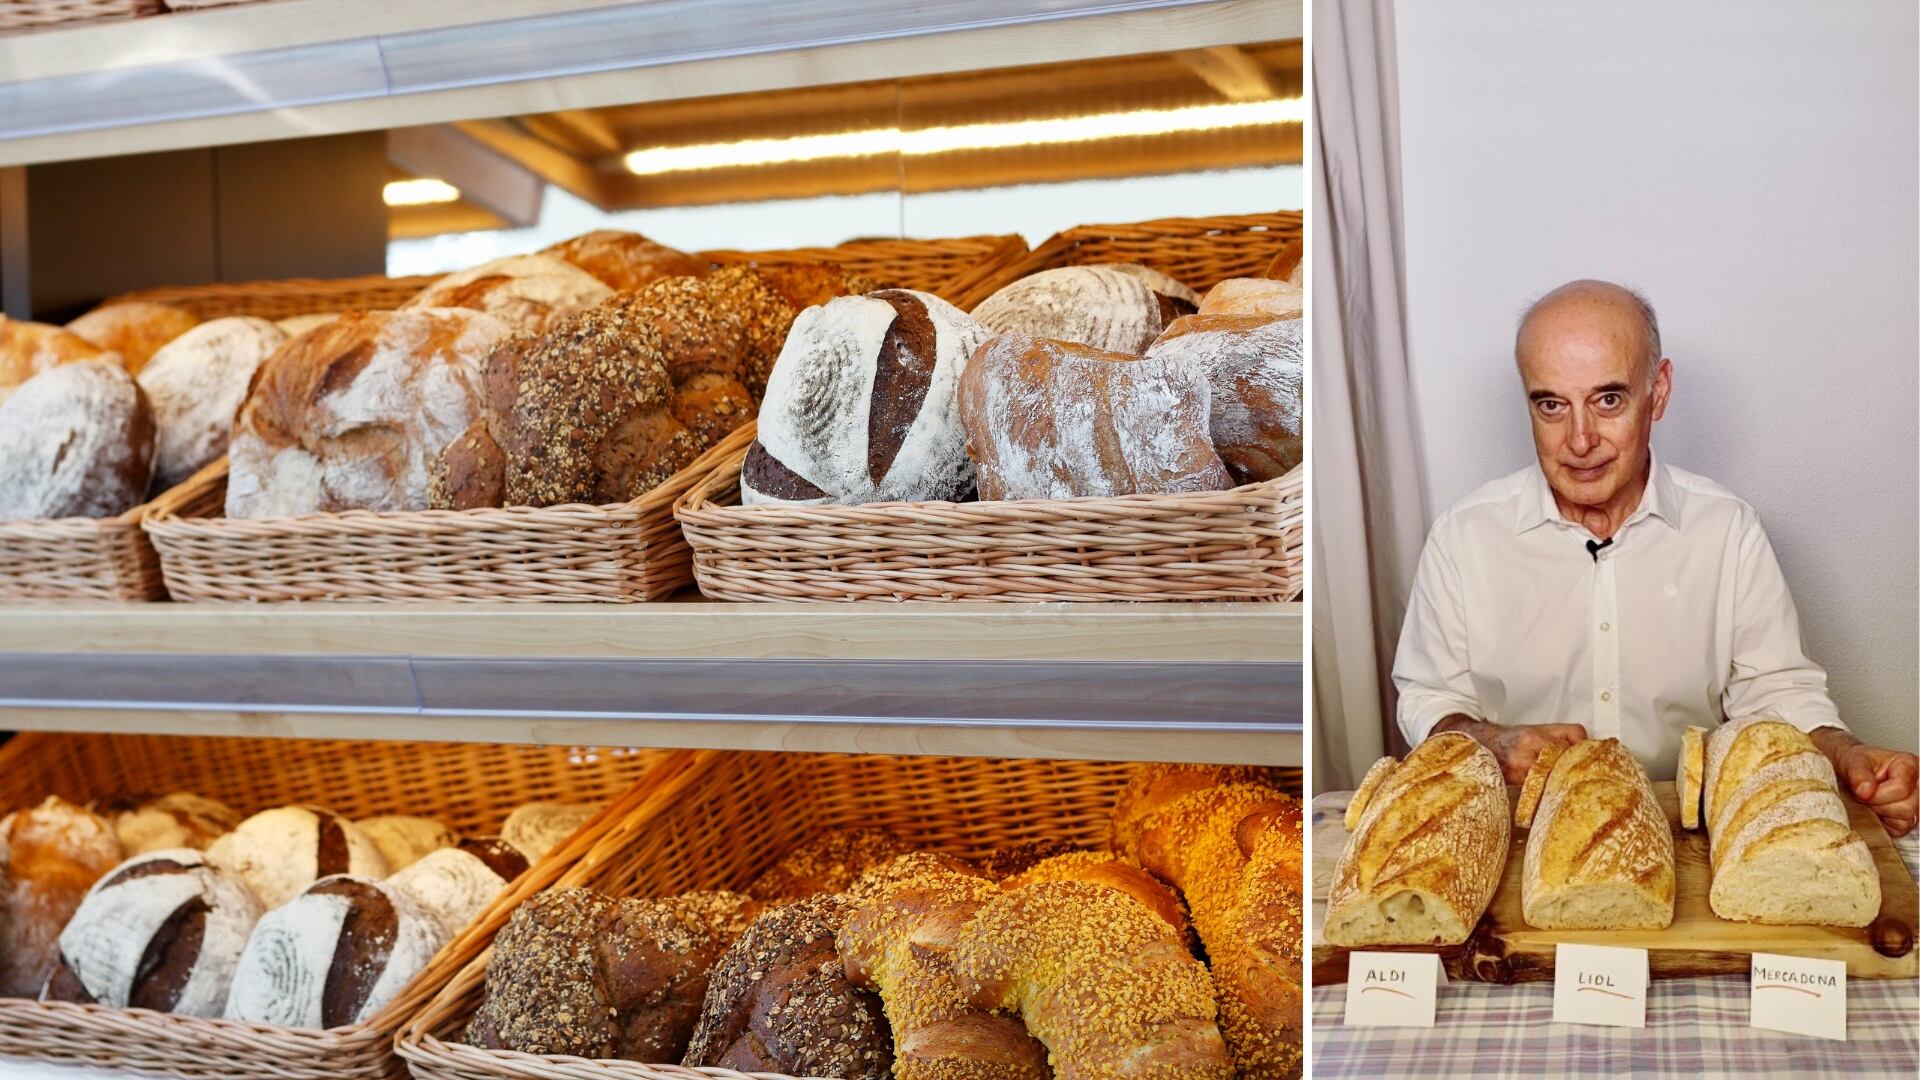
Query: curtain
<point>1369,509</point>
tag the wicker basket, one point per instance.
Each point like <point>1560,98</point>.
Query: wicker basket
<point>469,786</point>
<point>689,837</point>
<point>79,559</point>
<point>283,299</point>
<point>26,14</point>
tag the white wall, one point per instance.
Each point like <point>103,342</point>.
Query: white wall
<point>1751,165</point>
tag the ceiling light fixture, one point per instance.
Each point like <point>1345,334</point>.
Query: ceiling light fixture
<point>419,192</point>
<point>944,140</point>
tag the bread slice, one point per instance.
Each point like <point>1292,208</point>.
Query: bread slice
<point>1536,783</point>
<point>1600,854</point>
<point>1693,774</point>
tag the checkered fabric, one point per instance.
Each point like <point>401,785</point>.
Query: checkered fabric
<point>1695,1028</point>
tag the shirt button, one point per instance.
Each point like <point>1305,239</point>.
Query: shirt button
<point>1606,695</point>
<point>1606,626</point>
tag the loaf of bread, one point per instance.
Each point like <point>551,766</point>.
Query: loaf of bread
<point>539,827</point>
<point>1599,851</point>
<point>1253,366</point>
<point>1110,308</point>
<point>1783,850</point>
<point>860,406</point>
<point>1691,776</point>
<point>352,416</point>
<point>50,855</point>
<point>1289,265</point>
<point>1004,862</point>
<point>135,329</point>
<point>29,348</point>
<point>1115,872</point>
<point>333,955</point>
<point>827,862</point>
<point>162,931</point>
<point>457,883</point>
<point>1255,296</point>
<point>1153,788</point>
<point>77,442</point>
<point>914,864</point>
<point>405,839</point>
<point>295,325</point>
<point>179,820</point>
<point>625,261</point>
<point>1053,420</point>
<point>280,852</point>
<point>526,292</point>
<point>575,972</point>
<point>1258,973</point>
<point>779,1001</point>
<point>196,384</point>
<point>1056,953</point>
<point>1428,850</point>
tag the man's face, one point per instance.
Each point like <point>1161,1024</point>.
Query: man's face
<point>1588,392</point>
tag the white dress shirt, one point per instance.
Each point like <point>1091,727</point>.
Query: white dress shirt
<point>1684,619</point>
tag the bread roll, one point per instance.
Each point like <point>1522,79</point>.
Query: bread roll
<point>1110,308</point>
<point>1259,973</point>
<point>196,384</point>
<point>1115,872</point>
<point>1428,852</point>
<point>625,261</point>
<point>280,852</point>
<point>1052,420</point>
<point>29,348</point>
<point>1599,854</point>
<point>458,883</point>
<point>1253,367</point>
<point>860,407</point>
<point>77,442</point>
<point>333,955</point>
<point>1782,848</point>
<point>1693,775</point>
<point>828,862</point>
<point>526,292</point>
<point>404,839</point>
<point>50,855</point>
<point>1255,296</point>
<point>180,820</point>
<point>351,416</point>
<point>1153,788</point>
<point>163,931</point>
<point>135,329</point>
<point>537,828</point>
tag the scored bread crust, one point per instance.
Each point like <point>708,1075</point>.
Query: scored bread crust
<point>1536,783</point>
<point>1423,863</point>
<point>1693,774</point>
<point>1370,785</point>
<point>1600,854</point>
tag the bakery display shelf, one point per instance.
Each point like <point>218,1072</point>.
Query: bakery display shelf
<point>295,68</point>
<point>1147,682</point>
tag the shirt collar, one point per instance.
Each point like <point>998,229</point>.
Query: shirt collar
<point>1662,499</point>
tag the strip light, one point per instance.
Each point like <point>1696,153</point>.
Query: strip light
<point>418,192</point>
<point>946,140</point>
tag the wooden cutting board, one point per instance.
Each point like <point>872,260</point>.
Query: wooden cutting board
<point>1505,949</point>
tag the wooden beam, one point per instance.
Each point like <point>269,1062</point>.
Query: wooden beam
<point>485,177</point>
<point>544,160</point>
<point>589,128</point>
<point>1229,70</point>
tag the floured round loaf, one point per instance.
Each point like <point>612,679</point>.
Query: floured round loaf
<point>29,348</point>
<point>1255,296</point>
<point>1114,308</point>
<point>1599,853</point>
<point>76,441</point>
<point>404,839</point>
<point>351,416</point>
<point>1783,850</point>
<point>625,261</point>
<point>281,851</point>
<point>196,384</point>
<point>333,955</point>
<point>537,828</point>
<point>1428,853</point>
<point>860,407</point>
<point>1253,367</point>
<point>457,883</point>
<point>1052,420</point>
<point>135,329</point>
<point>163,931</point>
<point>179,820</point>
<point>527,292</point>
<point>50,855</point>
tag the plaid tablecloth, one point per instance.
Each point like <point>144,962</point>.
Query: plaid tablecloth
<point>1695,1027</point>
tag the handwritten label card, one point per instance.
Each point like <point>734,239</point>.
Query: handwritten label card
<point>1392,989</point>
<point>1799,995</point>
<point>1597,984</point>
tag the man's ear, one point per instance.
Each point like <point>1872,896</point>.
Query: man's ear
<point>1662,387</point>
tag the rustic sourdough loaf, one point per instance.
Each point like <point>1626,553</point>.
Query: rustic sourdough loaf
<point>196,384</point>
<point>457,883</point>
<point>50,855</point>
<point>1111,308</point>
<point>527,292</point>
<point>539,827</point>
<point>281,851</point>
<point>1428,852</point>
<point>179,820</point>
<point>76,441</point>
<point>1255,296</point>
<point>624,261</point>
<point>1783,850</point>
<point>405,839</point>
<point>29,348</point>
<point>136,329</point>
<point>1600,852</point>
<point>1692,775</point>
<point>1253,366</point>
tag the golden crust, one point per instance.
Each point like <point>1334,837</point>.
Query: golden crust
<point>1370,784</point>
<point>1536,783</point>
<point>1693,774</point>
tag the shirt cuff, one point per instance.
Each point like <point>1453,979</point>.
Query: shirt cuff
<point>1808,716</point>
<point>1422,709</point>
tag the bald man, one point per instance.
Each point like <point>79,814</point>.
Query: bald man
<point>1603,593</point>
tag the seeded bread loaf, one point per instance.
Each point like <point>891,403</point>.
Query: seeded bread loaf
<point>1600,852</point>
<point>1782,848</point>
<point>1422,865</point>
<point>827,862</point>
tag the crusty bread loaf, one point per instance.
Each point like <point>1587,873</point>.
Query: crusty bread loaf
<point>539,827</point>
<point>135,329</point>
<point>1782,848</point>
<point>29,348</point>
<point>625,261</point>
<point>827,862</point>
<point>457,883</point>
<point>352,416</point>
<point>1428,852</point>
<point>50,855</point>
<point>1259,973</point>
<point>1692,775</point>
<point>77,441</point>
<point>1599,852</point>
<point>163,931</point>
<point>1534,784</point>
<point>295,325</point>
<point>1377,775</point>
<point>1253,366</point>
<point>913,864</point>
<point>1153,788</point>
<point>1289,264</point>
<point>179,820</point>
<point>860,406</point>
<point>196,384</point>
<point>527,292</point>
<point>405,839</point>
<point>280,852</point>
<point>333,955</point>
<point>1255,296</point>
<point>1109,308</point>
<point>1053,420</point>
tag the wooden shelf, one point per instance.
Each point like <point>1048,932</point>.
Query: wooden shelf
<point>1200,682</point>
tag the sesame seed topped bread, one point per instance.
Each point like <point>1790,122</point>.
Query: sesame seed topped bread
<point>828,862</point>
<point>1693,775</point>
<point>1600,853</point>
<point>1428,852</point>
<point>1783,851</point>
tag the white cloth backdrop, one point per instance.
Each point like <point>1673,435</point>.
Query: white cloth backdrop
<point>1369,516</point>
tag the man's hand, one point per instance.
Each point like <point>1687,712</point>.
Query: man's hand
<point>1516,746</point>
<point>1885,781</point>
